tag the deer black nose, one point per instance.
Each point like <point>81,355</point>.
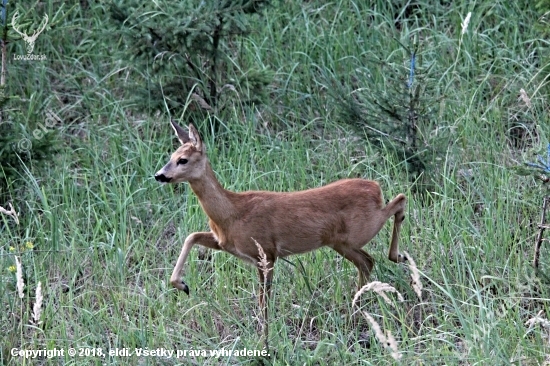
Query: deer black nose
<point>162,178</point>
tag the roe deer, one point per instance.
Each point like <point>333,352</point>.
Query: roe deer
<point>344,215</point>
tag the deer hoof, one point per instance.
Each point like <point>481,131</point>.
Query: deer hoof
<point>180,285</point>
<point>185,288</point>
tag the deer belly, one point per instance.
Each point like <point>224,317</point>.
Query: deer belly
<point>232,249</point>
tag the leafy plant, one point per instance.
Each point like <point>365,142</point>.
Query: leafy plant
<point>397,112</point>
<point>540,170</point>
<point>542,167</point>
<point>25,128</point>
<point>187,51</point>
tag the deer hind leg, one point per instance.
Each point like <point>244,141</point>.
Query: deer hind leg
<point>205,239</point>
<point>361,259</point>
<point>396,208</point>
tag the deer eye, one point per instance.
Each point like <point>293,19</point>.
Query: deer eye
<point>182,161</point>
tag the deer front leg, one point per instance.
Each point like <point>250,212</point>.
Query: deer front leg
<point>205,239</point>
<point>396,208</point>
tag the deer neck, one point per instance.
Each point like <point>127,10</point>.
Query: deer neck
<point>214,199</point>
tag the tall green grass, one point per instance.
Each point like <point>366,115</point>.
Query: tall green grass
<point>105,236</point>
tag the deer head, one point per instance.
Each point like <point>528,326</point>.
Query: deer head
<point>188,162</point>
<point>29,39</point>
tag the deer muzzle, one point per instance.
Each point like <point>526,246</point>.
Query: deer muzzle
<point>162,178</point>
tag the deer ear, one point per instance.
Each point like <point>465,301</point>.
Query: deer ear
<point>180,133</point>
<point>194,137</point>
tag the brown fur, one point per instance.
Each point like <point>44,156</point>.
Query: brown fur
<point>344,215</point>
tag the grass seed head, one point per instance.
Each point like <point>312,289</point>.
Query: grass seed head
<point>523,96</point>
<point>466,22</point>
<point>538,319</point>
<point>380,288</point>
<point>387,340</point>
<point>37,308</point>
<point>415,275</point>
<point>263,263</point>
<point>19,277</point>
<point>11,213</point>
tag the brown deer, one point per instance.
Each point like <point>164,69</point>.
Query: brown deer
<point>344,215</point>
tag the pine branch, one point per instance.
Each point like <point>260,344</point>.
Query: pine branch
<point>213,77</point>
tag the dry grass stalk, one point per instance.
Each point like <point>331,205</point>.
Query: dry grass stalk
<point>19,277</point>
<point>202,103</point>
<point>380,288</point>
<point>415,275</point>
<point>263,263</point>
<point>523,95</point>
<point>37,308</point>
<point>538,319</point>
<point>386,339</point>
<point>11,213</point>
